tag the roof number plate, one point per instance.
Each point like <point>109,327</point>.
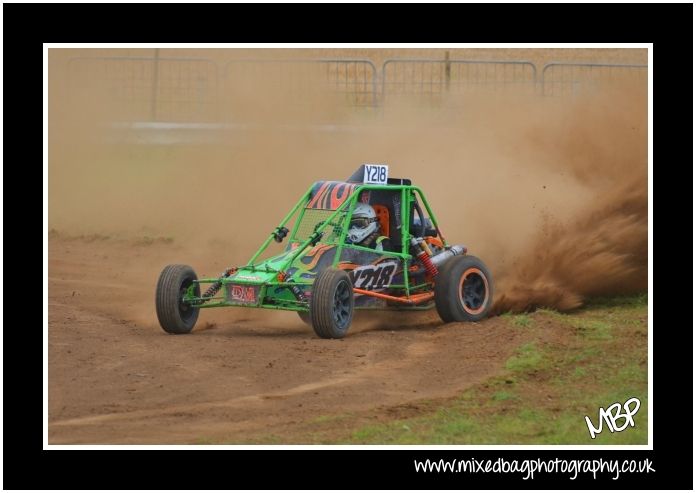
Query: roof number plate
<point>376,174</point>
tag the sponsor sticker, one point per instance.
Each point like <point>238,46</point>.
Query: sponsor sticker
<point>239,293</point>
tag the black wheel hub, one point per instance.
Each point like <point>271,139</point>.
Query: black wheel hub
<point>185,309</point>
<point>474,291</point>
<point>341,307</point>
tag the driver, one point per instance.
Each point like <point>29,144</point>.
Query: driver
<point>364,229</point>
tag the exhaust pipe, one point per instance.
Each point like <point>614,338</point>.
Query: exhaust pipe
<point>451,251</point>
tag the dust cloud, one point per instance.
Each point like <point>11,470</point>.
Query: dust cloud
<point>551,192</point>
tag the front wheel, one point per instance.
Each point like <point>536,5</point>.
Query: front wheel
<point>332,304</point>
<point>463,290</point>
<point>174,315</point>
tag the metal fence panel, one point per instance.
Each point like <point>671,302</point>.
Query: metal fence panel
<point>432,77</point>
<point>194,90</point>
<point>565,79</point>
<point>147,88</point>
<point>355,79</point>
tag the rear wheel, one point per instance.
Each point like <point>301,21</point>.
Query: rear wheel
<point>463,290</point>
<point>175,316</point>
<point>332,304</point>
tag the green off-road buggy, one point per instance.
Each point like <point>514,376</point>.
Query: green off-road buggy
<point>324,274</point>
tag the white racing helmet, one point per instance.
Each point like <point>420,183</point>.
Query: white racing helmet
<point>362,224</point>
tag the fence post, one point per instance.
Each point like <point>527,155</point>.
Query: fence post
<point>448,67</point>
<point>155,84</point>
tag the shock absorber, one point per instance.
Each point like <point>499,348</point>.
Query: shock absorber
<point>423,257</point>
<point>215,287</point>
<point>296,290</point>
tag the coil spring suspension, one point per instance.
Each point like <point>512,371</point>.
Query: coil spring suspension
<point>215,287</point>
<point>423,256</point>
<point>429,266</point>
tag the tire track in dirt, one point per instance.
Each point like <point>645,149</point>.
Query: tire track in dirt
<point>418,349</point>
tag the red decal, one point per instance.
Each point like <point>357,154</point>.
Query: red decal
<point>243,293</point>
<point>317,197</point>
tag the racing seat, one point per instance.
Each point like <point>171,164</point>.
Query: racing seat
<point>382,212</point>
<point>385,202</point>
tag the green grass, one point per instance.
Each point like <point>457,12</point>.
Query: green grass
<point>591,329</point>
<point>269,439</point>
<point>503,395</point>
<point>547,389</point>
<point>331,418</point>
<point>522,320</point>
<point>528,357</point>
<point>636,301</point>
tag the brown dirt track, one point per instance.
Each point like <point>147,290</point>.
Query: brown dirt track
<point>116,378</point>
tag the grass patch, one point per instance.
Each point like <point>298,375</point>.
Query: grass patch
<point>330,418</point>
<point>591,329</point>
<point>528,357</point>
<point>548,311</point>
<point>635,300</point>
<point>595,328</point>
<point>503,395</point>
<point>271,439</point>
<point>522,320</point>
